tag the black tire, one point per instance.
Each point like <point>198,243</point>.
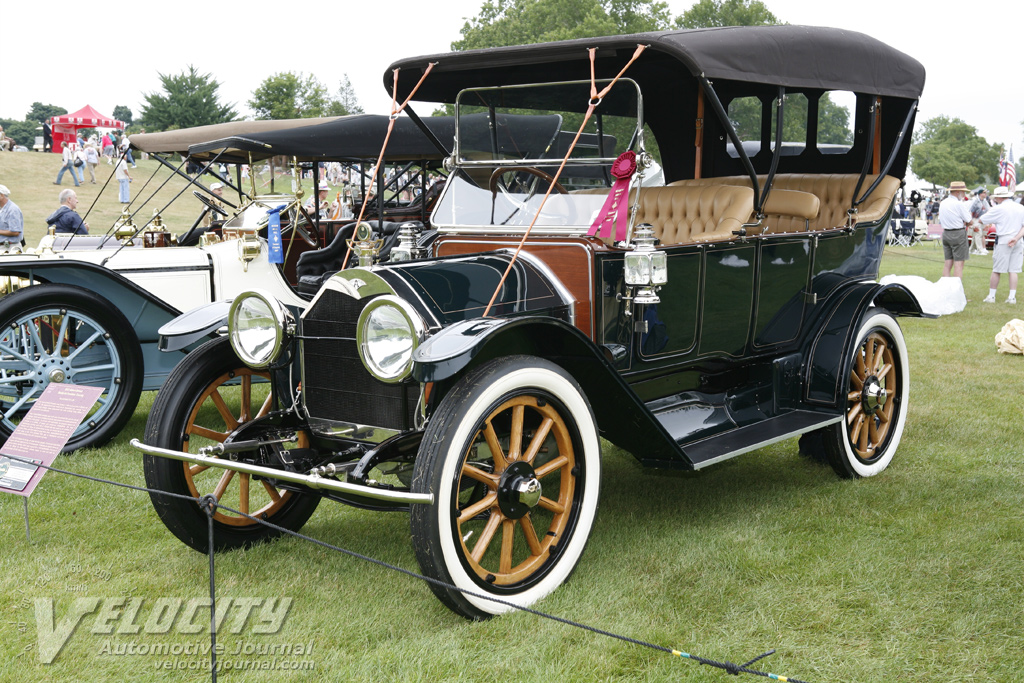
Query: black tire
<point>207,395</point>
<point>456,463</point>
<point>61,333</point>
<point>877,388</point>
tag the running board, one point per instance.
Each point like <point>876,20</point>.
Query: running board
<point>743,439</point>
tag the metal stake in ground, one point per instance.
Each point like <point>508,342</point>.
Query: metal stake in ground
<point>209,505</point>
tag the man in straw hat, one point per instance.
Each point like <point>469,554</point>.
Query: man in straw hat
<point>1008,254</point>
<point>954,217</point>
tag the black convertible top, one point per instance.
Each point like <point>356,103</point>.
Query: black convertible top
<point>725,64</point>
<point>792,56</point>
<point>360,137</point>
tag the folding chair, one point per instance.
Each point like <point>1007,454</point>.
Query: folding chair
<point>905,235</point>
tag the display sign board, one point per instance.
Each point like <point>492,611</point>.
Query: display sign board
<point>42,434</point>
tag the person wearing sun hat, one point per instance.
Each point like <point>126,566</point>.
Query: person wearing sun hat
<point>954,217</point>
<point>1008,254</point>
<point>319,203</point>
<point>218,190</point>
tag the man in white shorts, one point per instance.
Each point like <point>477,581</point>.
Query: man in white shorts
<point>1008,255</point>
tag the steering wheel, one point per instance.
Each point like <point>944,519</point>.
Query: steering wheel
<point>210,204</point>
<point>304,227</point>
<point>492,184</point>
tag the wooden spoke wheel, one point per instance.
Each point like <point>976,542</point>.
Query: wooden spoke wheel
<point>872,381</point>
<point>513,459</point>
<point>227,403</point>
<point>516,490</point>
<point>876,388</point>
<point>205,399</point>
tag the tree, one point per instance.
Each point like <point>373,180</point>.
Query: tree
<point>289,95</point>
<point>122,113</point>
<point>346,102</point>
<point>41,113</point>
<point>712,13</point>
<point>22,132</point>
<point>947,149</point>
<point>188,99</point>
<point>520,22</point>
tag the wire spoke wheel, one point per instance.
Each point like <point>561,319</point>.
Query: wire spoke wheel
<point>58,334</point>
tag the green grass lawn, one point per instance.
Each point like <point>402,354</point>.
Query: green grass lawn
<point>30,176</point>
<point>913,575</point>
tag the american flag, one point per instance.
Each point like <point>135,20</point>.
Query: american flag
<point>1007,171</point>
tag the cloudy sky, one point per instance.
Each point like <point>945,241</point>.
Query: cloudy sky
<point>968,49</point>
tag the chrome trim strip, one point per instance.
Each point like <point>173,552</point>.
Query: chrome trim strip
<point>769,442</point>
<point>310,480</point>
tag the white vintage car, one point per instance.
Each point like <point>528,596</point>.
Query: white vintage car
<point>86,309</point>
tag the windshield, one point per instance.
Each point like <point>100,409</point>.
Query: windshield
<point>510,143</point>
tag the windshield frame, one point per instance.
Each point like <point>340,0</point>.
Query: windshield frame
<point>457,153</point>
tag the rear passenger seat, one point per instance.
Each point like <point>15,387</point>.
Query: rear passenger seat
<point>834,192</point>
<point>711,209</point>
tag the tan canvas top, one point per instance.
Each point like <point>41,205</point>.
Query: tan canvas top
<point>180,140</point>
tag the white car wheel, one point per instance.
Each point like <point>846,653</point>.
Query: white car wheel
<point>513,458</point>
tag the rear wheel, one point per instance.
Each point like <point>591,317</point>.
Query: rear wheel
<point>876,388</point>
<point>513,459</point>
<point>207,397</point>
<point>52,333</point>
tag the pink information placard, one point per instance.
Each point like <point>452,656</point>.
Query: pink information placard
<point>41,434</point>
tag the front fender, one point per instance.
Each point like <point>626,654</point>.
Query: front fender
<point>622,417</point>
<point>198,324</point>
<point>831,348</point>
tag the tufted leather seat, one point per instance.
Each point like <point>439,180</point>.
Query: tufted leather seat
<point>834,193</point>
<point>681,215</point>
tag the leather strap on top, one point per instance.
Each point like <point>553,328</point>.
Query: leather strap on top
<point>595,99</point>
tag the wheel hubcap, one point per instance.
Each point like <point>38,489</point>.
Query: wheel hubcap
<point>518,490</point>
<point>873,396</point>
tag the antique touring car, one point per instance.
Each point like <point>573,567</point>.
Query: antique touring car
<point>90,306</point>
<point>472,379</point>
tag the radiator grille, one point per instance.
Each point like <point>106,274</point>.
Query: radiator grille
<point>336,386</point>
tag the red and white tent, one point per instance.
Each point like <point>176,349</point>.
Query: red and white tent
<point>66,126</point>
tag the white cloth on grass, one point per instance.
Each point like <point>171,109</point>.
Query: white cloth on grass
<point>942,297</point>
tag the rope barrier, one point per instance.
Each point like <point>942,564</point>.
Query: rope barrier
<point>209,505</point>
